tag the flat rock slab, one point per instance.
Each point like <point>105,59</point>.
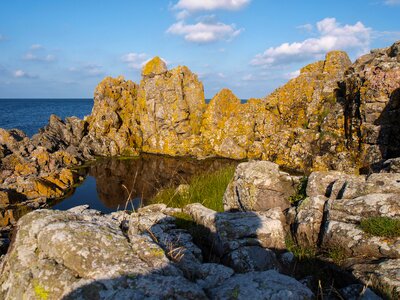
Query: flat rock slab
<point>231,230</point>
<point>383,274</point>
<point>261,285</point>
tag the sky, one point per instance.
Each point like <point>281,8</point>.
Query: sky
<point>64,48</point>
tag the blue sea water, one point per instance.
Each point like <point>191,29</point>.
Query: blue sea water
<point>31,114</point>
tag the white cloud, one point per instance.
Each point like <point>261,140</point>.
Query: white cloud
<point>332,36</point>
<point>23,74</point>
<point>88,70</point>
<point>183,14</point>
<point>198,5</point>
<point>36,47</point>
<point>221,75</point>
<point>306,27</point>
<point>38,53</point>
<point>2,38</point>
<point>202,32</point>
<point>34,57</point>
<point>293,74</point>
<point>135,60</point>
<point>392,2</point>
<point>249,77</point>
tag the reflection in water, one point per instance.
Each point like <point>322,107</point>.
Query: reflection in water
<point>111,180</point>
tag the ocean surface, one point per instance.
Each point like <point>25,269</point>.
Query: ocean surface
<point>31,114</point>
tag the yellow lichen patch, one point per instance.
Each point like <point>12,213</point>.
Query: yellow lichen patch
<point>42,156</point>
<point>40,292</point>
<point>45,188</point>
<point>312,68</point>
<point>336,61</point>
<point>25,168</point>
<point>155,66</point>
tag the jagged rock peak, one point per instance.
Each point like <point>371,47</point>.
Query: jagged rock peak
<point>394,50</point>
<point>155,66</point>
<point>225,96</point>
<point>335,61</point>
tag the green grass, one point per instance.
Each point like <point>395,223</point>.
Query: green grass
<point>337,254</point>
<point>381,226</point>
<point>301,193</point>
<point>207,189</point>
<point>300,252</point>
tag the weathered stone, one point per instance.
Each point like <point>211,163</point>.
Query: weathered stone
<point>308,220</point>
<point>258,186</point>
<point>66,254</point>
<point>372,205</point>
<point>59,134</point>
<point>335,185</point>
<point>228,126</point>
<point>210,275</point>
<point>170,107</point>
<point>155,66</point>
<point>303,125</point>
<point>384,275</point>
<point>251,258</point>
<point>342,227</point>
<point>372,90</point>
<point>261,285</point>
<point>113,124</point>
<point>391,165</point>
<point>228,232</point>
<point>358,292</point>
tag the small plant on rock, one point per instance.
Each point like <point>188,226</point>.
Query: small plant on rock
<point>301,193</point>
<point>381,226</point>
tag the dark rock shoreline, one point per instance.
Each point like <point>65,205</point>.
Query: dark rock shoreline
<point>335,121</point>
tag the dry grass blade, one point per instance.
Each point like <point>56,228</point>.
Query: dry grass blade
<point>130,193</point>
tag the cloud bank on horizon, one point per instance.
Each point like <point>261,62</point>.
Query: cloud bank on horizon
<point>331,35</point>
<point>249,46</point>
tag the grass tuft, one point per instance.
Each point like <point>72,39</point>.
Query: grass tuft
<point>300,252</point>
<point>381,226</point>
<point>301,193</point>
<point>207,189</point>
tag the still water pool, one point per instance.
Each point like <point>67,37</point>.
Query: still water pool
<point>110,181</point>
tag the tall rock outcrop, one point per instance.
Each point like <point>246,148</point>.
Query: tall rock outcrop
<point>113,125</point>
<point>228,126</point>
<point>304,121</point>
<point>300,125</point>
<point>170,108</point>
<point>372,91</point>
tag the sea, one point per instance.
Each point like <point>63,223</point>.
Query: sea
<point>31,114</point>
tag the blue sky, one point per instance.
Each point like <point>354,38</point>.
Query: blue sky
<point>63,48</point>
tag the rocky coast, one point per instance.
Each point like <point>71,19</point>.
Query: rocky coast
<point>337,124</point>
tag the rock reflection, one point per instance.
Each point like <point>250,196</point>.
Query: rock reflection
<point>144,176</point>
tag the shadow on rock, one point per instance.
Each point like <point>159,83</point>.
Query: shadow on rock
<point>81,254</point>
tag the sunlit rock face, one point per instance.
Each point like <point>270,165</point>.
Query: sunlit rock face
<point>300,125</point>
<point>170,108</point>
<point>372,91</point>
<point>113,124</point>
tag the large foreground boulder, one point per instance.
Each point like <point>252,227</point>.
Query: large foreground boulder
<point>65,254</point>
<point>259,186</point>
<point>82,254</point>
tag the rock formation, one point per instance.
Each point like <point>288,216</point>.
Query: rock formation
<point>372,97</point>
<point>326,118</point>
<point>334,116</point>
<point>80,254</point>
